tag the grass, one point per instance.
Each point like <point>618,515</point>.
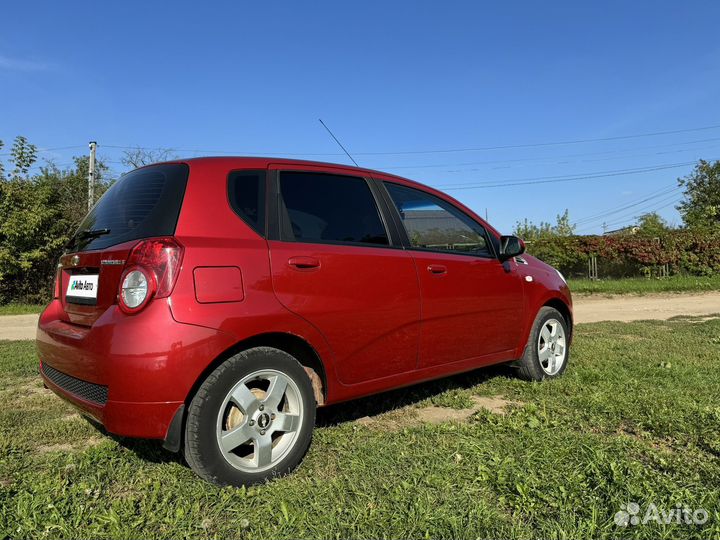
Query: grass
<point>20,309</point>
<point>671,284</point>
<point>634,419</point>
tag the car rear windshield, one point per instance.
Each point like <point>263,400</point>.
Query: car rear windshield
<point>141,204</point>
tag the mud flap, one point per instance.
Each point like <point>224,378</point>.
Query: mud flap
<point>173,437</point>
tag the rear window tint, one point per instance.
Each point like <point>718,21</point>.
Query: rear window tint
<point>246,192</point>
<point>329,208</point>
<point>141,204</point>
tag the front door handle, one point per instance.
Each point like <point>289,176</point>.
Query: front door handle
<point>304,263</point>
<point>437,269</point>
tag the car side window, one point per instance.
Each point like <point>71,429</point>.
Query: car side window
<point>246,193</point>
<point>329,208</point>
<point>434,224</point>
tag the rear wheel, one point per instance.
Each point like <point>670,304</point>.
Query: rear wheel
<point>546,353</point>
<point>251,419</point>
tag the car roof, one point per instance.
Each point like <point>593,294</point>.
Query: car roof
<point>231,162</point>
<point>238,161</point>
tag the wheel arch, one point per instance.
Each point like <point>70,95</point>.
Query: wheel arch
<point>292,344</point>
<point>552,301</point>
<point>564,310</point>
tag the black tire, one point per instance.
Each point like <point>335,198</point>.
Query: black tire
<point>529,367</point>
<point>202,450</point>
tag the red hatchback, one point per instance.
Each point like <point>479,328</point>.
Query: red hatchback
<point>214,303</point>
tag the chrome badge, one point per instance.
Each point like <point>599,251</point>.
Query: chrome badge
<point>115,262</point>
<point>75,260</point>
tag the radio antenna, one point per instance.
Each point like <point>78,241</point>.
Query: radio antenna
<point>339,143</point>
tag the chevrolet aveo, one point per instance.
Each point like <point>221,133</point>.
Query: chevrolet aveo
<point>215,303</point>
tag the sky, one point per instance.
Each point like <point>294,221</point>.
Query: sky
<point>518,109</point>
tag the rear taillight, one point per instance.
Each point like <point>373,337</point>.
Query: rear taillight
<point>57,284</point>
<point>150,271</point>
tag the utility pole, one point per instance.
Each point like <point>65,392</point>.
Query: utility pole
<point>91,175</point>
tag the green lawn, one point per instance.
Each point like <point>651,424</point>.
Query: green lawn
<point>645,285</point>
<point>20,309</point>
<point>635,419</point>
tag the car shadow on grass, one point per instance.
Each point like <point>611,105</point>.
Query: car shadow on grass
<point>146,449</point>
<point>349,411</point>
<point>150,450</point>
<point>334,415</point>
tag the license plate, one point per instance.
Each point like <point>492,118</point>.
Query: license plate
<point>82,289</point>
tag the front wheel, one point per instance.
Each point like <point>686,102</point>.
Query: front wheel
<point>546,353</point>
<point>251,420</point>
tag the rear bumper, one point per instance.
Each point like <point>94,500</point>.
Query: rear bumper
<point>130,419</point>
<point>131,373</point>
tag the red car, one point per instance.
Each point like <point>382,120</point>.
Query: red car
<point>214,303</point>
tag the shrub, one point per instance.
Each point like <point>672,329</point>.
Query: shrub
<point>684,251</point>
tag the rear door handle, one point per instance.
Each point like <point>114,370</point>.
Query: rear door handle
<point>437,269</point>
<point>304,263</point>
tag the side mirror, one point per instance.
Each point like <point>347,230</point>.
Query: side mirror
<point>510,246</point>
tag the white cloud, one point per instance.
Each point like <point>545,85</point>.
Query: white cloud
<point>15,64</point>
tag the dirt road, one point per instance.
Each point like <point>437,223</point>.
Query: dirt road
<point>635,308</point>
<point>18,326</point>
<point>587,309</point>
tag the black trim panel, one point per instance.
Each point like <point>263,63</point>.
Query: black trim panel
<point>81,300</point>
<point>95,393</point>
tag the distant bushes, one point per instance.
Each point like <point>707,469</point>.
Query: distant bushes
<point>38,215</point>
<point>683,251</point>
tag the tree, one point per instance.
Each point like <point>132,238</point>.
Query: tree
<point>39,214</point>
<point>563,227</point>
<point>22,155</point>
<point>139,157</point>
<point>652,224</point>
<point>700,207</point>
<point>529,231</point>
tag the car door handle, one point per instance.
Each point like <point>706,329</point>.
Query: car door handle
<point>304,263</point>
<point>437,269</point>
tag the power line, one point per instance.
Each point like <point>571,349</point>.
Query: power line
<point>408,152</point>
<point>560,160</point>
<point>44,150</point>
<point>649,197</point>
<point>412,152</point>
<point>637,213</point>
<point>433,151</point>
<point>561,178</point>
<point>554,143</point>
<point>551,160</point>
<point>633,219</point>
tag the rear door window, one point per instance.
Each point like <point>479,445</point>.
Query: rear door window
<point>436,225</point>
<point>329,208</point>
<point>246,192</point>
<point>141,204</point>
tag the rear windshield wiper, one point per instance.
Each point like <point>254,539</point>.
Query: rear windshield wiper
<point>92,233</point>
<point>84,235</point>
